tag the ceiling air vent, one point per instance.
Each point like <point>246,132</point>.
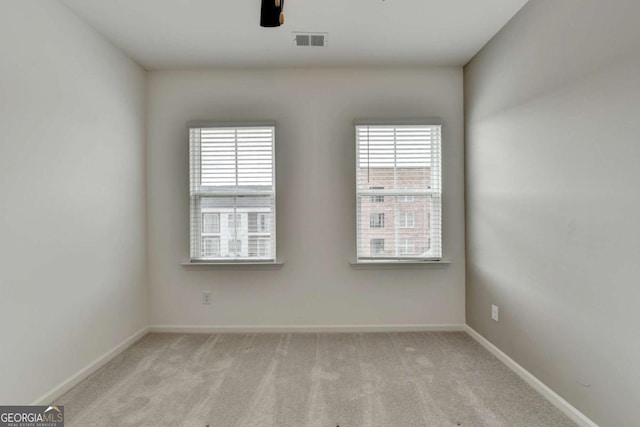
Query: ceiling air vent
<point>310,39</point>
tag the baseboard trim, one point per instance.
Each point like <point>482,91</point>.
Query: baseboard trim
<point>568,409</point>
<point>245,329</point>
<point>81,375</point>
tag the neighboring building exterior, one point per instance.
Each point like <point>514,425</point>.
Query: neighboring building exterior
<point>395,226</point>
<point>243,234</point>
<point>389,226</point>
<point>243,231</point>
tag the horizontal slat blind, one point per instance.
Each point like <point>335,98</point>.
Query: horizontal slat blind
<point>232,193</point>
<point>399,191</point>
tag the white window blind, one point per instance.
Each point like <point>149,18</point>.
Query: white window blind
<point>232,190</point>
<point>398,178</point>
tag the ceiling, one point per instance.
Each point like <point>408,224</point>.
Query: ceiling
<point>161,34</point>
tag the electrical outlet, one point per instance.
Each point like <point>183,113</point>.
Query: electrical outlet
<point>206,297</point>
<point>494,312</point>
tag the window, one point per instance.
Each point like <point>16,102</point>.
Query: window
<point>235,246</point>
<point>259,222</point>
<point>232,179</point>
<point>263,223</point>
<point>235,220</point>
<point>210,235</point>
<point>210,247</point>
<point>377,247</point>
<point>376,220</point>
<point>263,247</point>
<point>210,223</point>
<point>259,246</point>
<point>405,220</point>
<point>399,163</point>
<point>406,247</point>
<point>377,198</point>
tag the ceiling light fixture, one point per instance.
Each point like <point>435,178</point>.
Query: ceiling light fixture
<point>271,14</point>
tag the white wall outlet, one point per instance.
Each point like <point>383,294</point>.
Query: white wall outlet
<point>206,297</point>
<point>495,312</point>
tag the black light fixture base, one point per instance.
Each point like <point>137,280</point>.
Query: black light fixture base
<point>270,13</point>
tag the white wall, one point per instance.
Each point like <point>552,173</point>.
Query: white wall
<point>72,229</point>
<point>552,108</point>
<point>316,203</point>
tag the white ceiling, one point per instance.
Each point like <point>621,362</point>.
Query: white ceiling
<point>162,34</point>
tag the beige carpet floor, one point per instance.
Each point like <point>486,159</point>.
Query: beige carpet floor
<point>323,380</point>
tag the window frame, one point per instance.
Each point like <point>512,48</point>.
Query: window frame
<point>237,245</point>
<point>405,196</point>
<point>379,221</point>
<point>196,195</point>
<point>403,224</point>
<point>405,246</point>
<point>406,199</point>
<point>376,240</point>
<point>259,247</point>
<point>214,238</point>
<point>234,220</point>
<point>205,233</point>
<point>262,227</point>
<point>377,198</point>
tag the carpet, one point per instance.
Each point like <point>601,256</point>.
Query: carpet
<point>311,380</point>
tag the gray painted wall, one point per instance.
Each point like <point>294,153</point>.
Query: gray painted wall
<point>315,177</point>
<point>72,213</point>
<point>553,200</point>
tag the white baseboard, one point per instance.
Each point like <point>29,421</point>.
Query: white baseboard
<point>568,409</point>
<point>72,381</point>
<point>246,329</point>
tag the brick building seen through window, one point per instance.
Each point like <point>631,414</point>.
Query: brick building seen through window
<point>396,225</point>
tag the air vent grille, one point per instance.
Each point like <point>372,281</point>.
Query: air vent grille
<point>302,40</point>
<point>317,40</point>
<point>310,39</point>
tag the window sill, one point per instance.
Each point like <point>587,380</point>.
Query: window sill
<point>391,264</point>
<point>239,265</point>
